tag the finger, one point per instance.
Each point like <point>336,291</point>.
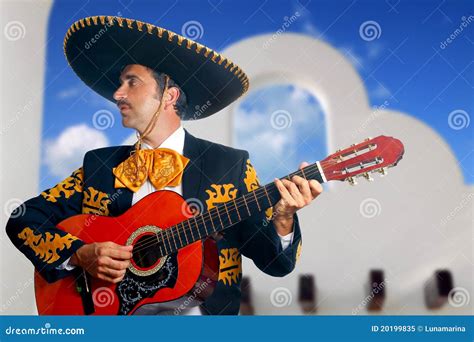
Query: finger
<point>295,193</point>
<point>117,264</point>
<point>111,273</point>
<point>105,248</point>
<point>303,165</point>
<point>303,186</point>
<point>316,188</point>
<point>119,253</point>
<point>284,193</point>
<point>110,244</point>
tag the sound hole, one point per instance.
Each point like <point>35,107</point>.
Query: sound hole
<point>145,251</point>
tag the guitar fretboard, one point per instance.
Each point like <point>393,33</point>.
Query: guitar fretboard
<point>226,214</point>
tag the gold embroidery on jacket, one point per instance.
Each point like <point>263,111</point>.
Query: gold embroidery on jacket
<point>251,179</point>
<point>67,187</point>
<point>298,252</point>
<point>222,193</point>
<point>46,247</point>
<point>95,202</point>
<point>230,266</point>
<point>252,183</point>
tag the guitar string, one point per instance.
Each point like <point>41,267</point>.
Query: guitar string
<point>166,236</point>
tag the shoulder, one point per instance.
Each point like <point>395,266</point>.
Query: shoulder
<point>213,150</point>
<point>107,155</point>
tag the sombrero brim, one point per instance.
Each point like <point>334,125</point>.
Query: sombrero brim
<point>97,48</point>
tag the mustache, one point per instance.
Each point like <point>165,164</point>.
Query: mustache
<point>123,102</point>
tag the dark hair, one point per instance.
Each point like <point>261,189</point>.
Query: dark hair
<point>181,104</point>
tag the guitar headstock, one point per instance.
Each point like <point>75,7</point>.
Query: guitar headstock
<point>359,160</point>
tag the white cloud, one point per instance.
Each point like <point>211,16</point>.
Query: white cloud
<point>374,50</point>
<point>65,153</point>
<point>70,92</point>
<point>381,92</point>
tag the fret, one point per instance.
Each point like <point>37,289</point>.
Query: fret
<point>197,227</point>
<point>218,214</point>
<point>256,200</point>
<point>204,222</point>
<point>179,235</point>
<point>184,231</point>
<point>245,201</point>
<point>268,198</point>
<point>227,211</point>
<point>165,239</point>
<point>302,171</point>
<point>163,243</point>
<point>191,229</point>
<point>174,241</point>
<point>210,217</point>
<point>237,209</point>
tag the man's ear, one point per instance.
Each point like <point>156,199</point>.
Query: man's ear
<point>171,96</point>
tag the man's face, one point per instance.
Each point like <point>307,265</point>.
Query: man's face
<point>137,96</point>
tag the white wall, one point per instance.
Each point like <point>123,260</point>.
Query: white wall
<point>23,51</point>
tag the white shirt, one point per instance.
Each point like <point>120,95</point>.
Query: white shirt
<point>174,142</point>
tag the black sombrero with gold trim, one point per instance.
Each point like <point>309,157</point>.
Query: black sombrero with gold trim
<point>97,48</point>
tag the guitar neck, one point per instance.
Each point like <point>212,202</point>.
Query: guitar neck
<point>229,213</point>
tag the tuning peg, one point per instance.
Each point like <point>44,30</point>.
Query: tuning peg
<point>352,181</point>
<point>383,171</point>
<point>367,176</point>
<point>368,139</point>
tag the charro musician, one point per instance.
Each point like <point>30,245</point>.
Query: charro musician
<point>158,78</point>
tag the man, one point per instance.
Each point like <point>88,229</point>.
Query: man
<point>157,79</point>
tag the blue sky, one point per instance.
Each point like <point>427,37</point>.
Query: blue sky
<point>406,64</point>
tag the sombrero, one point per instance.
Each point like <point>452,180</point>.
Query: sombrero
<point>97,48</point>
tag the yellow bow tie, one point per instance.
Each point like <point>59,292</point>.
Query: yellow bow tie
<point>162,166</point>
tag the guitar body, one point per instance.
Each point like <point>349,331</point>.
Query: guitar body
<point>192,271</point>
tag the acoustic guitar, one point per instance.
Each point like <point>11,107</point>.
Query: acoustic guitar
<point>174,256</point>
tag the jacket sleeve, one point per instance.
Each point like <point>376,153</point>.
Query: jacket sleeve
<point>259,239</point>
<point>32,226</point>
